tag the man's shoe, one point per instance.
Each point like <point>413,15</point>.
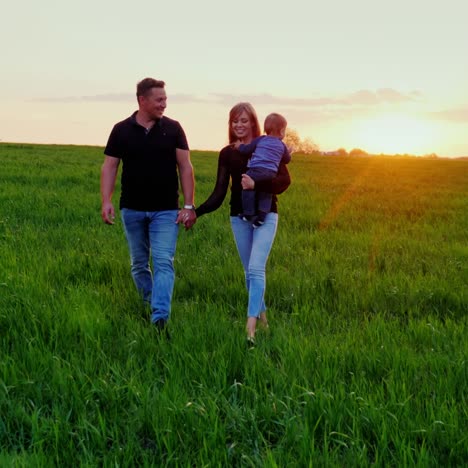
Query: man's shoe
<point>161,328</point>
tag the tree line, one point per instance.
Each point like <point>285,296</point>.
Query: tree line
<point>296,144</point>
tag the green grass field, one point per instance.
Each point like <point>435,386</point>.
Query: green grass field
<point>365,363</point>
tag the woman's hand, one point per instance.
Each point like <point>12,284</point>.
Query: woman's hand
<point>247,182</point>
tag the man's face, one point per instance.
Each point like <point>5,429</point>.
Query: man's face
<point>154,103</point>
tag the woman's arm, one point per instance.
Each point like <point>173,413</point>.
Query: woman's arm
<point>276,185</point>
<point>215,200</point>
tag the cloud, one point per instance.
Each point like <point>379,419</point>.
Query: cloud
<point>380,96</point>
<point>118,97</point>
<point>268,99</point>
<point>323,109</point>
<point>185,98</point>
<point>122,97</point>
<point>362,97</point>
<point>367,98</point>
<point>452,115</point>
<point>300,110</point>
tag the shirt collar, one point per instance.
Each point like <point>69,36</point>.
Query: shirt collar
<point>134,120</point>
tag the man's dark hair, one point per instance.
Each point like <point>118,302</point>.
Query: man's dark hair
<point>147,84</point>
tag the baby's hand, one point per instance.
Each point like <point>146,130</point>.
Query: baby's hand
<point>236,144</point>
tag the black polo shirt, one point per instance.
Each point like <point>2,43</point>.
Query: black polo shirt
<point>149,180</point>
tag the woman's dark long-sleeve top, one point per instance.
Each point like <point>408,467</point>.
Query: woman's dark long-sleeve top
<point>231,164</point>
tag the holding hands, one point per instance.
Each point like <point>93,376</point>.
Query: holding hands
<point>187,217</point>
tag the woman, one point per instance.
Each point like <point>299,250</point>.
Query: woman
<point>253,244</point>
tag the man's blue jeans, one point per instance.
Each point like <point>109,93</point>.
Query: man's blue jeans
<point>155,233</point>
<point>254,246</point>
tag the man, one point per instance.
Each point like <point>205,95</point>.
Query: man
<point>155,155</point>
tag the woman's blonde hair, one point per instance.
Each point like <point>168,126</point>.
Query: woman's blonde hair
<point>234,114</point>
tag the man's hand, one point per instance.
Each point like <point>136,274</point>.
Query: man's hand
<point>109,171</point>
<point>187,217</point>
<point>108,213</point>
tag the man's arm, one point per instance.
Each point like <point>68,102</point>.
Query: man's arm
<point>186,216</point>
<point>109,172</point>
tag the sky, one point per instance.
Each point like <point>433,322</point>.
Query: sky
<point>385,77</point>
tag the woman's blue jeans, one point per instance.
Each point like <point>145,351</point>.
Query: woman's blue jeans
<point>155,233</point>
<point>254,246</point>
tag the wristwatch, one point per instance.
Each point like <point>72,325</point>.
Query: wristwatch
<point>189,207</point>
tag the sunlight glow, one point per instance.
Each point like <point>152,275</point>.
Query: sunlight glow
<point>395,133</point>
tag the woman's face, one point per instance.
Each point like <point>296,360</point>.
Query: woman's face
<point>242,127</point>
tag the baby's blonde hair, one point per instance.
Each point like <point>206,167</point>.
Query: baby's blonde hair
<point>274,123</point>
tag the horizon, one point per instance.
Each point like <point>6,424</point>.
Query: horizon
<point>314,153</point>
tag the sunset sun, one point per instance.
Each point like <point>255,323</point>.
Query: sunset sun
<point>393,133</point>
